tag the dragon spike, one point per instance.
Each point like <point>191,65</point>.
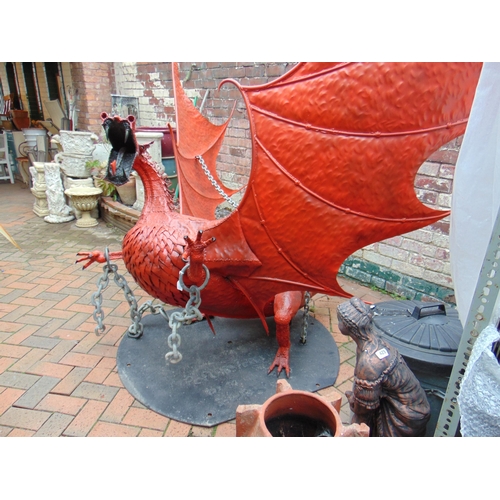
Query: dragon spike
<point>196,247</point>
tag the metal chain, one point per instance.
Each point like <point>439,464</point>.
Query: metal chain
<point>136,329</point>
<point>305,318</point>
<point>190,313</point>
<point>214,182</point>
<point>96,299</point>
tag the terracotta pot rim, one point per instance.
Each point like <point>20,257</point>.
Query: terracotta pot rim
<point>332,416</point>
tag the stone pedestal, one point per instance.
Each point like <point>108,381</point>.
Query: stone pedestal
<point>155,148</point>
<point>58,210</point>
<point>40,207</point>
<point>139,192</point>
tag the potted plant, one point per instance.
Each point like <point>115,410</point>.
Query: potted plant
<point>126,194</point>
<point>98,171</point>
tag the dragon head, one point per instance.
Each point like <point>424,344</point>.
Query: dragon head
<point>121,135</point>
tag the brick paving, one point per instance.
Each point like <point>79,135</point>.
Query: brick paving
<point>57,377</point>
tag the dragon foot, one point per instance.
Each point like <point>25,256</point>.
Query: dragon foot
<point>96,256</point>
<point>281,361</point>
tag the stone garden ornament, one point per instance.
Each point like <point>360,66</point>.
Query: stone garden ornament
<point>335,146</point>
<point>59,211</point>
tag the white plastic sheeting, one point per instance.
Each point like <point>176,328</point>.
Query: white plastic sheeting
<point>476,189</point>
<point>479,397</point>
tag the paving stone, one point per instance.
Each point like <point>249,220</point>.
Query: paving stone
<point>21,433</point>
<point>76,320</point>
<point>50,369</point>
<point>50,326</point>
<point>8,397</point>
<point>105,429</point>
<point>60,350</point>
<point>5,363</point>
<point>25,419</point>
<point>86,419</point>
<point>4,335</point>
<point>177,429</point>
<point>69,383</point>
<point>54,426</point>
<point>150,433</point>
<point>82,360</point>
<point>63,404</point>
<point>15,294</point>
<point>197,431</point>
<point>26,362</point>
<point>13,351</point>
<point>118,407</point>
<point>98,375</point>
<point>37,392</point>
<point>95,391</point>
<point>42,342</point>
<point>145,418</point>
<point>226,430</point>
<point>17,313</point>
<point>18,380</point>
<point>4,431</point>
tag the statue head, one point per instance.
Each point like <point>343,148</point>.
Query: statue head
<point>355,318</point>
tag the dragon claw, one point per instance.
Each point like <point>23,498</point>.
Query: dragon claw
<point>281,361</point>
<point>92,257</point>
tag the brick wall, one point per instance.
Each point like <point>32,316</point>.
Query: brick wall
<point>94,83</point>
<point>152,84</point>
<point>414,265</point>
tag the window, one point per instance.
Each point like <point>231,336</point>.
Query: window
<point>13,87</point>
<point>32,91</point>
<point>52,77</point>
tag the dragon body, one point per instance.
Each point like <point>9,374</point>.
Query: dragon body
<point>336,147</point>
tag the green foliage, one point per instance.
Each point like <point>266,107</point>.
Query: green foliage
<point>108,189</point>
<point>98,171</point>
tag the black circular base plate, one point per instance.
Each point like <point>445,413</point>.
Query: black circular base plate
<point>219,372</point>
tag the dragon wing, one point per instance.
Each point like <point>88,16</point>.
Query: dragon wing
<point>336,147</point>
<point>196,136</point>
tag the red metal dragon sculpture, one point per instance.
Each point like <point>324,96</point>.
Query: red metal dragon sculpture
<point>336,147</point>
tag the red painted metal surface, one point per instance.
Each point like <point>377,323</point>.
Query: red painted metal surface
<point>336,147</point>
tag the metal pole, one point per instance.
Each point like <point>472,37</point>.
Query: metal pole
<point>479,317</point>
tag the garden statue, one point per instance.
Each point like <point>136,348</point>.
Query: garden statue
<point>336,147</point>
<point>386,395</point>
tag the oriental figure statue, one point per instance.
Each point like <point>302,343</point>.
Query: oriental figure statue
<point>386,394</point>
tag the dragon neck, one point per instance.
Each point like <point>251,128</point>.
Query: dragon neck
<point>157,197</point>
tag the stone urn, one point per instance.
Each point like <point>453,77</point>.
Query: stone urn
<point>291,413</point>
<point>84,199</point>
<point>77,151</point>
<point>76,142</point>
<point>70,182</point>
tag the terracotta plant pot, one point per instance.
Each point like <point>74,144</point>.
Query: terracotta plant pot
<point>291,413</point>
<point>127,192</point>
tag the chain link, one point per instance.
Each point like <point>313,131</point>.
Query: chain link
<point>214,182</point>
<point>96,299</point>
<point>190,312</point>
<point>305,318</point>
<point>136,329</point>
